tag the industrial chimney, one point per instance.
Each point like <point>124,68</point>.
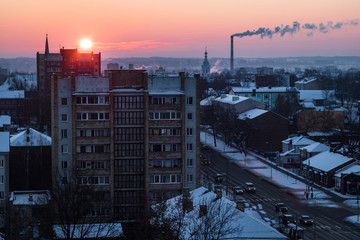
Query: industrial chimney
<point>232,54</point>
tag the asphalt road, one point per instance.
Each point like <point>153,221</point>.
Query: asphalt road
<point>328,221</point>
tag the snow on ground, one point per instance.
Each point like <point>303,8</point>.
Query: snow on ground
<point>353,219</point>
<point>269,173</point>
<point>352,203</point>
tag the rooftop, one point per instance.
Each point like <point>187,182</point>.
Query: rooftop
<point>264,89</point>
<point>230,99</point>
<point>30,137</point>
<point>326,161</point>
<point>251,114</point>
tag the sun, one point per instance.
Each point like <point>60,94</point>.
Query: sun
<point>85,43</point>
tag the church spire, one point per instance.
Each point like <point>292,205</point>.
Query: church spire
<point>46,46</point>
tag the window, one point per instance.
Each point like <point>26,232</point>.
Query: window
<point>189,147</point>
<point>64,133</point>
<point>64,148</point>
<point>189,178</point>
<point>63,164</point>
<point>1,179</point>
<point>189,100</point>
<point>189,162</point>
<point>189,115</point>
<point>63,101</point>
<point>189,131</point>
<point>2,195</point>
<point>64,117</point>
<point>266,96</point>
<point>1,163</point>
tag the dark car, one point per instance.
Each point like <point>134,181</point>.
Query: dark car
<point>287,218</point>
<point>206,162</point>
<point>280,207</point>
<point>306,220</point>
<point>250,187</point>
<point>238,190</point>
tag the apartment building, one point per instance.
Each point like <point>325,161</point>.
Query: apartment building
<point>133,138</point>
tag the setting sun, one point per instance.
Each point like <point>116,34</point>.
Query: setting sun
<point>85,43</point>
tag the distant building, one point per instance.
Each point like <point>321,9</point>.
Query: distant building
<point>67,62</point>
<point>267,95</point>
<point>308,84</point>
<point>205,68</point>
<point>12,103</point>
<point>237,104</point>
<point>112,66</point>
<point>290,155</point>
<point>133,137</point>
<point>30,165</point>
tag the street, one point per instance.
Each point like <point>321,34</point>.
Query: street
<point>328,221</point>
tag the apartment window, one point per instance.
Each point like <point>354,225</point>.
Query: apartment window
<point>63,101</point>
<point>189,115</point>
<point>189,100</point>
<point>189,162</point>
<point>189,131</point>
<point>64,133</point>
<point>64,148</point>
<point>266,96</point>
<point>189,178</point>
<point>2,195</point>
<point>64,164</point>
<point>1,179</point>
<point>189,147</point>
<point>64,117</point>
<point>1,163</point>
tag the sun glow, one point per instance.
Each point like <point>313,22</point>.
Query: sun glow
<point>85,43</point>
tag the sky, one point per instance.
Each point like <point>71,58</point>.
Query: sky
<point>180,28</point>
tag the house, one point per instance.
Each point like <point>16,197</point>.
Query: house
<point>267,95</point>
<point>237,104</point>
<point>207,213</point>
<point>312,150</point>
<point>347,179</point>
<point>266,129</point>
<point>307,84</point>
<point>290,156</point>
<point>316,97</point>
<point>27,211</point>
<point>30,164</point>
<point>5,122</point>
<point>322,167</point>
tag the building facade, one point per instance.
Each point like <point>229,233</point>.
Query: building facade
<point>134,138</point>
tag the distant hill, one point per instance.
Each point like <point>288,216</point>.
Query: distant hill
<point>193,65</point>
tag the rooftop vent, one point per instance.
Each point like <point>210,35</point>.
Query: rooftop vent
<point>235,98</point>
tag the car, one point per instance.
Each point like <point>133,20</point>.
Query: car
<point>306,220</point>
<point>206,162</point>
<point>218,178</point>
<point>287,218</point>
<point>280,207</point>
<point>250,187</point>
<point>238,190</point>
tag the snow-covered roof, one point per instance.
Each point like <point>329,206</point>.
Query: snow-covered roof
<point>306,80</point>
<point>353,168</point>
<point>251,114</point>
<point>230,99</point>
<point>4,141</point>
<point>299,141</point>
<point>12,94</point>
<point>308,105</point>
<point>264,89</point>
<point>238,226</point>
<point>35,139</point>
<point>290,152</point>
<point>316,147</point>
<point>207,101</point>
<point>93,231</point>
<point>327,161</point>
<point>41,197</point>
<point>5,120</point>
<point>309,95</point>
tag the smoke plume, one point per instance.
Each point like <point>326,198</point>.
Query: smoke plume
<point>296,27</point>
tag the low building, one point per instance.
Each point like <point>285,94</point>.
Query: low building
<point>312,150</point>
<point>347,179</point>
<point>266,129</point>
<point>322,167</point>
<point>290,156</point>
<point>12,103</point>
<point>30,165</point>
<point>307,84</point>
<point>237,104</point>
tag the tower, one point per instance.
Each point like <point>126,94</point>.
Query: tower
<point>205,67</point>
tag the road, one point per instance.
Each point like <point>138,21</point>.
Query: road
<point>328,221</point>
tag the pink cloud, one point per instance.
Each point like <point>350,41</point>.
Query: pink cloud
<point>134,45</point>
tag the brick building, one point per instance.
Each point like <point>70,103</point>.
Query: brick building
<point>134,138</point>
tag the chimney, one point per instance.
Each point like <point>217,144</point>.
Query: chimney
<point>186,200</point>
<point>232,54</point>
<point>202,210</point>
<point>240,205</point>
<point>186,192</point>
<point>218,191</point>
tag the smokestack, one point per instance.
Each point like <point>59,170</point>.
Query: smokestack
<point>232,54</point>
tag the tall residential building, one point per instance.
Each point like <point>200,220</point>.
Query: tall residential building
<point>134,138</point>
<point>67,62</point>
<point>4,164</point>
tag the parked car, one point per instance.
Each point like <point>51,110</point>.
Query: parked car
<point>280,207</point>
<point>219,178</point>
<point>238,190</point>
<point>250,187</point>
<point>287,218</point>
<point>206,162</point>
<point>306,220</point>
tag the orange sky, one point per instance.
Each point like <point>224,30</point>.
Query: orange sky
<point>177,28</point>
